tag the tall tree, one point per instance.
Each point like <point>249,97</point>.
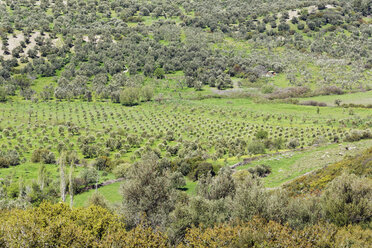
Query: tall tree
<point>62,164</point>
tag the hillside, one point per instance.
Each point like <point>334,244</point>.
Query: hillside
<point>316,181</point>
<point>224,120</point>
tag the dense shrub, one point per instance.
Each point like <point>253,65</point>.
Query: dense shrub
<point>93,226</point>
<point>330,90</point>
<point>3,94</point>
<point>256,147</point>
<point>130,96</point>
<point>260,170</point>
<point>202,169</point>
<point>313,103</point>
<point>43,156</point>
<point>262,134</point>
<point>9,158</point>
<point>347,200</point>
<point>289,92</point>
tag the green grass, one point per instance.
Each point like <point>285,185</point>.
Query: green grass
<point>278,108</point>
<point>280,80</point>
<point>39,83</point>
<point>294,164</point>
<point>190,187</point>
<point>356,98</point>
<point>110,192</point>
<point>29,171</point>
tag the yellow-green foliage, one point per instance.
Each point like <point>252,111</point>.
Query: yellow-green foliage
<point>260,233</point>
<point>56,225</point>
<point>360,165</point>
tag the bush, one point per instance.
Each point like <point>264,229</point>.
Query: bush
<point>10,158</point>
<point>3,94</point>
<point>313,103</point>
<point>357,135</point>
<point>121,170</point>
<point>89,175</point>
<point>4,163</point>
<point>260,170</point>
<point>262,134</point>
<point>44,156</point>
<point>103,163</point>
<point>202,169</point>
<point>130,96</point>
<point>268,89</point>
<point>293,143</point>
<point>256,147</point>
<point>289,92</point>
<point>347,200</point>
<point>159,73</point>
<point>329,90</point>
<point>147,93</point>
<point>97,199</point>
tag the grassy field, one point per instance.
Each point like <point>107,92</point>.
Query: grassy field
<point>110,192</point>
<point>290,165</point>
<point>356,98</point>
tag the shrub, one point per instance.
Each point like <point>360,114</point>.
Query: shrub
<point>347,200</point>
<point>10,158</point>
<point>202,169</point>
<point>313,103</point>
<point>44,156</point>
<point>293,143</point>
<point>89,175</point>
<point>329,90</point>
<point>268,89</point>
<point>289,92</point>
<point>103,163</point>
<point>260,170</point>
<point>256,147</point>
<point>3,94</point>
<point>262,134</point>
<point>159,73</point>
<point>97,199</point>
<point>129,96</point>
<point>4,163</point>
<point>147,93</point>
<point>121,170</point>
<point>13,158</point>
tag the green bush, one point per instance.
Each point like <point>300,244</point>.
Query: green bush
<point>262,134</point>
<point>121,170</point>
<point>10,158</point>
<point>347,200</point>
<point>3,94</point>
<point>260,170</point>
<point>202,169</point>
<point>147,93</point>
<point>130,96</point>
<point>89,175</point>
<point>159,73</point>
<point>44,156</point>
<point>256,147</point>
